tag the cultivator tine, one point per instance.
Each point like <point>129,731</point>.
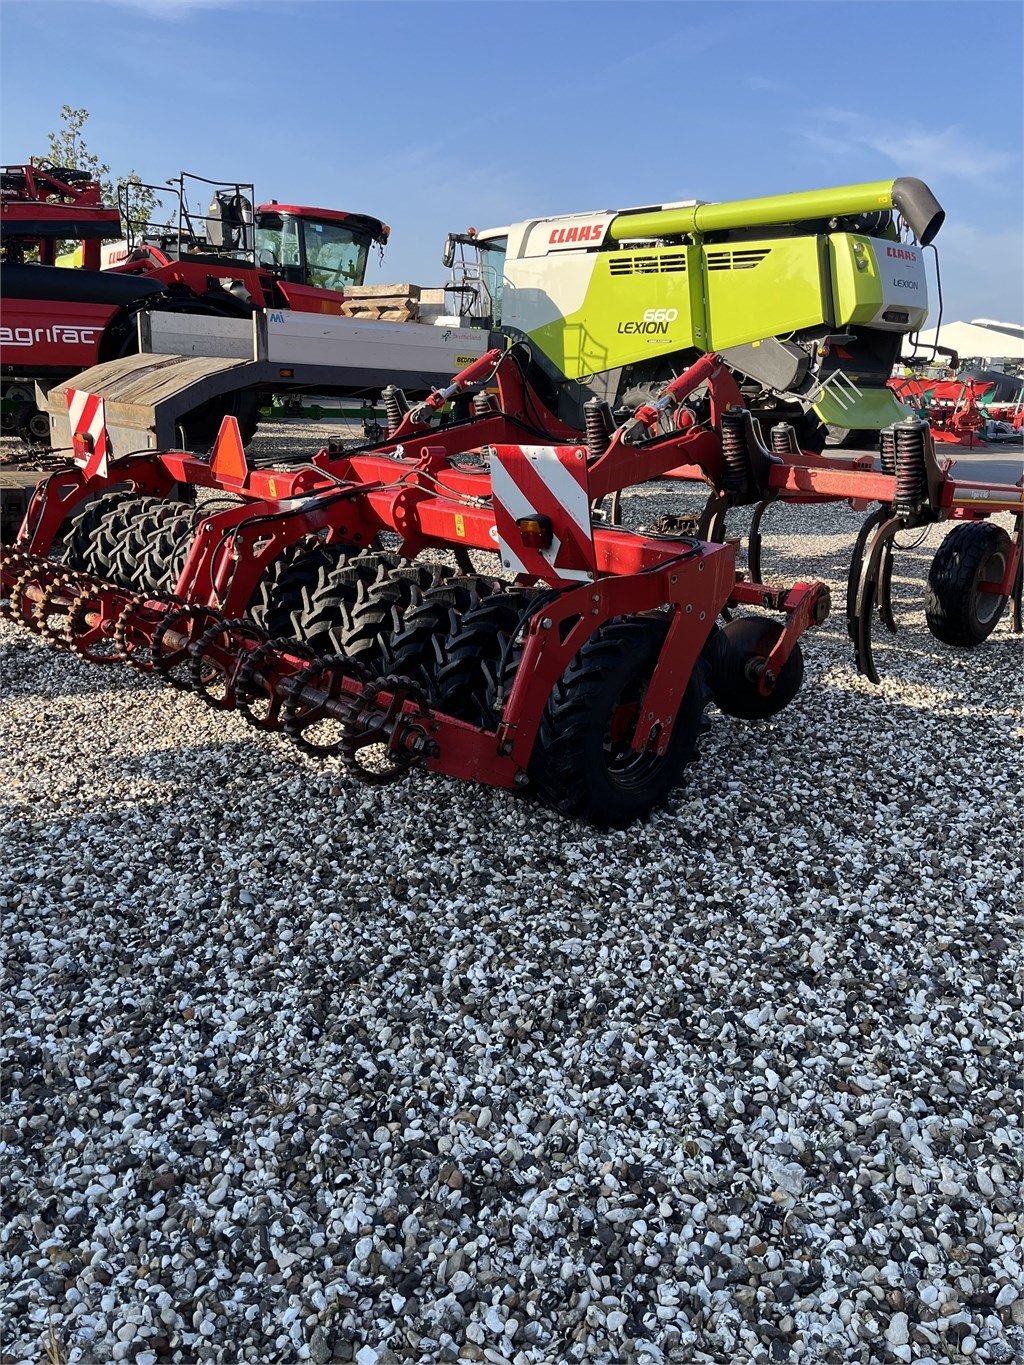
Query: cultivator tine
<point>867,593</point>
<point>884,590</point>
<point>856,565</point>
<point>711,524</point>
<point>754,541</point>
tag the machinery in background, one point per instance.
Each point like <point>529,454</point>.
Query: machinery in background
<point>226,261</point>
<point>808,298</point>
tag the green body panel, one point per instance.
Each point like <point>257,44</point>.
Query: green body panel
<point>873,410</point>
<point>856,283</point>
<point>721,296</point>
<point>765,289</point>
<point>610,329</point>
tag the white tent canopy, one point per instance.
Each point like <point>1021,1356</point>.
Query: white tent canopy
<point>974,343</point>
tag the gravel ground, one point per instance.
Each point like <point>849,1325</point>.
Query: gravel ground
<point>300,1070</point>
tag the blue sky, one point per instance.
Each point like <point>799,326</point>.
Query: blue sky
<point>436,116</point>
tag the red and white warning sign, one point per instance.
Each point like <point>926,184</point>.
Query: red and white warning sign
<point>88,432</point>
<point>542,512</point>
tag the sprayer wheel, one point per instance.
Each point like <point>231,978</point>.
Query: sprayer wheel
<point>582,762</point>
<point>733,653</point>
<point>958,612</point>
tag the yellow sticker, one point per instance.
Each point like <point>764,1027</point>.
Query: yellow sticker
<point>465,359</point>
<point>273,488</point>
<point>460,525</point>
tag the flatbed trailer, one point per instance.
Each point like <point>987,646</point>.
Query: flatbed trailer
<point>193,370</point>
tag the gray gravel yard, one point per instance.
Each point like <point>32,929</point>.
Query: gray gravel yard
<point>298,1070</point>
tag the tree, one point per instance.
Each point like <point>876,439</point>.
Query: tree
<point>67,148</point>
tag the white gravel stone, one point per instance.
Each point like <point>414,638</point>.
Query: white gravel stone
<point>296,1069</point>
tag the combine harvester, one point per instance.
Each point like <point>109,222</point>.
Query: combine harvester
<point>582,671</point>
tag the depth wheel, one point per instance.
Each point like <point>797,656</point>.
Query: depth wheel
<point>956,608</point>
<point>734,654</point>
<point>582,761</point>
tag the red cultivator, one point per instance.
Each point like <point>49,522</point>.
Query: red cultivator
<point>964,410</point>
<point>585,676</point>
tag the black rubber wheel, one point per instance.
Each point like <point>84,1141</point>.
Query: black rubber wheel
<point>79,531</point>
<point>732,654</point>
<point>198,430</point>
<point>957,611</point>
<point>472,653</point>
<point>375,614</point>
<point>416,651</point>
<point>582,763</point>
<point>320,617</point>
<point>143,543</point>
<point>32,425</point>
<point>279,595</point>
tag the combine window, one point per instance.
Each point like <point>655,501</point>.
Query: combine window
<point>316,252</point>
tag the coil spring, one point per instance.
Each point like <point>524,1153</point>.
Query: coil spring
<point>887,450</point>
<point>784,440</point>
<point>909,465</point>
<point>395,407</point>
<point>482,403</point>
<point>735,453</point>
<point>598,421</point>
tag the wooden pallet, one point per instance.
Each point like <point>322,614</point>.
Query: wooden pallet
<point>382,302</point>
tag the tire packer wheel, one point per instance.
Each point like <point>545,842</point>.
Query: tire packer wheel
<point>582,761</point>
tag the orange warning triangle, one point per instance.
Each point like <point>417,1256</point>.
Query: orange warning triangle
<point>228,460</point>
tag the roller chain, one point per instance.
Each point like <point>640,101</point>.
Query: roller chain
<point>71,584</point>
<point>191,622</point>
<point>103,649</point>
<point>208,672</point>
<point>394,763</point>
<point>251,689</point>
<point>326,678</point>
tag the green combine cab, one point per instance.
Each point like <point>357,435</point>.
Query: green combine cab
<point>807,296</point>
